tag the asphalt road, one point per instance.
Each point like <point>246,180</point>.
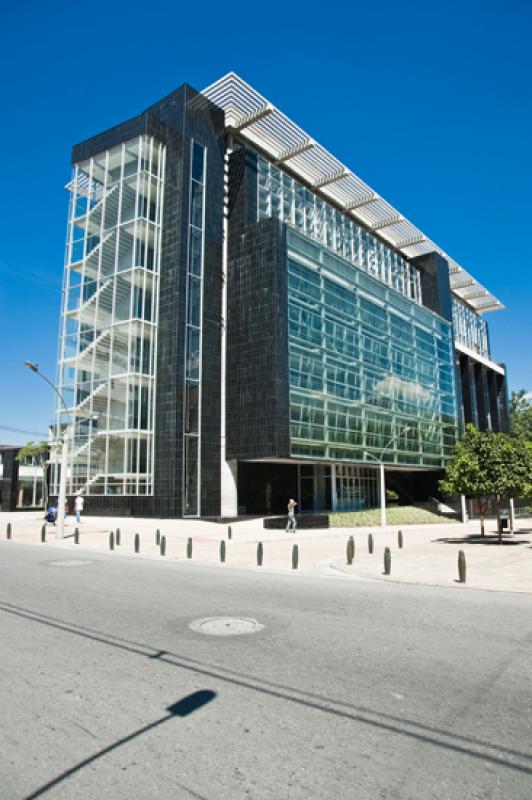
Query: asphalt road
<point>352,689</point>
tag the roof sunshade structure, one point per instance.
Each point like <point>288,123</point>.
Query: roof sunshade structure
<point>252,117</point>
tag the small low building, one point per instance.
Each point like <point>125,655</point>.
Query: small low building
<point>21,483</point>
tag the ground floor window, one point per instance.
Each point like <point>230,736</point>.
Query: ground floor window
<point>29,492</point>
<point>265,488</point>
<point>356,488</point>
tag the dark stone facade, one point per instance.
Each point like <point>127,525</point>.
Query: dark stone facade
<point>481,391</point>
<point>435,284</point>
<point>176,120</point>
<point>257,324</point>
<point>484,395</point>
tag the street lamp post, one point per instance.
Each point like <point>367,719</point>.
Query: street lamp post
<point>60,529</point>
<point>380,462</point>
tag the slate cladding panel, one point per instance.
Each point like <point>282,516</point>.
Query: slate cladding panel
<point>257,323</point>
<point>435,284</point>
<point>484,394</point>
<point>177,119</point>
<point>191,116</point>
<point>145,123</point>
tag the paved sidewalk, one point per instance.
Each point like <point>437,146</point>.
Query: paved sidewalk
<point>429,554</point>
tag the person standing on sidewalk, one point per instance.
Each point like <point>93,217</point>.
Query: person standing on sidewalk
<point>78,507</point>
<point>291,522</point>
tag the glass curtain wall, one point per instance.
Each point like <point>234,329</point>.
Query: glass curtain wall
<point>196,236</point>
<point>281,196</point>
<point>109,327</point>
<point>470,329</point>
<point>356,488</point>
<point>365,364</point>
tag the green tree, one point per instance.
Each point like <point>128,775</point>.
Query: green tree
<point>466,472</point>
<point>39,452</point>
<point>487,464</point>
<point>521,415</point>
<point>510,471</point>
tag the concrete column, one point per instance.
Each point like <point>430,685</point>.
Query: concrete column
<point>334,498</point>
<point>473,388</point>
<point>382,494</point>
<point>464,508</point>
<point>502,401</point>
<point>465,386</point>
<point>229,492</point>
<point>228,469</point>
<point>480,387</point>
<point>494,409</point>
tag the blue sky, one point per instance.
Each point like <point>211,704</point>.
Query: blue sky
<point>429,103</point>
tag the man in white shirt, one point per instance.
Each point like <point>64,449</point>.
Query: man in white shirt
<point>78,507</point>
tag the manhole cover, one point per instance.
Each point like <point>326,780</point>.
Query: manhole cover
<point>226,626</point>
<point>72,562</point>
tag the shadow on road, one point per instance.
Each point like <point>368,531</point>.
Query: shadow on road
<point>182,708</point>
<point>488,539</point>
<point>487,752</point>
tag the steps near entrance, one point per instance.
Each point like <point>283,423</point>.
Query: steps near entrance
<point>306,520</point>
<point>439,508</point>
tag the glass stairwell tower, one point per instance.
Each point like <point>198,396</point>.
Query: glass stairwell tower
<point>108,341</point>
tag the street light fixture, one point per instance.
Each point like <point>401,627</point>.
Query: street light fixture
<point>380,462</point>
<point>60,529</point>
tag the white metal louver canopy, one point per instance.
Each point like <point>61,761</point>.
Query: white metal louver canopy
<point>250,115</point>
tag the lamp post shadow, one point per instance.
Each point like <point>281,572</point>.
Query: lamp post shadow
<point>187,705</point>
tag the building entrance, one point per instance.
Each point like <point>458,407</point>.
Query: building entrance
<point>265,488</point>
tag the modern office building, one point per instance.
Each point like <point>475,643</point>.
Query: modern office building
<point>244,320</point>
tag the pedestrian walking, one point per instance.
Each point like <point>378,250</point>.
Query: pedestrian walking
<point>78,507</point>
<point>51,514</point>
<point>291,522</point>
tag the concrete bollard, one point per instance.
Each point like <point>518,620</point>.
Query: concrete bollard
<point>111,541</point>
<point>157,537</point>
<point>118,537</point>
<point>189,548</point>
<point>462,567</point>
<point>222,551</point>
<point>260,554</point>
<point>43,533</point>
<point>229,532</point>
<point>387,561</point>
<point>350,550</point>
<point>162,546</point>
<point>137,543</point>
<point>370,543</point>
<point>295,556</point>
<point>8,531</point>
<point>400,539</point>
<point>76,536</point>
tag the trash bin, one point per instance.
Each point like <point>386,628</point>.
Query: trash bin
<point>504,523</point>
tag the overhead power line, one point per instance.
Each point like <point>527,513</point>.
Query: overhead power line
<point>20,430</point>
